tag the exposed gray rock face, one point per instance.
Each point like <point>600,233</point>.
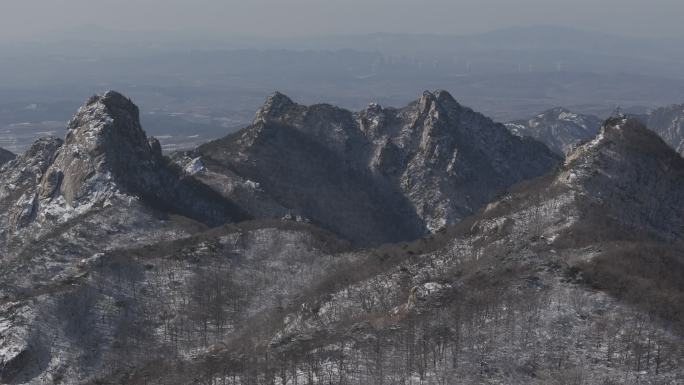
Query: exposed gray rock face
<point>21,178</point>
<point>5,156</point>
<point>106,158</point>
<point>668,122</point>
<point>558,128</point>
<point>106,149</point>
<point>104,186</point>
<point>635,176</point>
<point>378,175</point>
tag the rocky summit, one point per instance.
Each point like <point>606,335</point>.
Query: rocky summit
<point>104,159</point>
<point>374,176</point>
<point>106,150</point>
<point>254,259</point>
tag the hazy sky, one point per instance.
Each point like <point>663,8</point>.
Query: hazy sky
<point>306,17</point>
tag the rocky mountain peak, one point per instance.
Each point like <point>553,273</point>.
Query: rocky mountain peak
<point>620,141</point>
<point>437,114</point>
<point>108,120</point>
<point>276,107</point>
<point>373,108</point>
<point>631,132</point>
<point>372,119</point>
<point>114,101</point>
<point>437,99</point>
<point>444,97</point>
<point>426,99</point>
<point>106,160</point>
<point>278,99</point>
<point>428,102</point>
<point>42,152</point>
<point>426,165</point>
<point>104,142</point>
<point>631,173</point>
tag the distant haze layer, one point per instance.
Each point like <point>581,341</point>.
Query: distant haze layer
<point>270,18</point>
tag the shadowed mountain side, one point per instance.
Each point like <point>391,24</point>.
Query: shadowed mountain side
<point>409,171</point>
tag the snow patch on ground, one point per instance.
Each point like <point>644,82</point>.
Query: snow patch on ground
<point>194,166</point>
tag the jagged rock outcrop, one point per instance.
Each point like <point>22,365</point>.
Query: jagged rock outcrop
<point>21,178</point>
<point>558,128</point>
<point>106,149</point>
<point>5,156</point>
<point>631,171</point>
<point>105,159</point>
<point>378,175</point>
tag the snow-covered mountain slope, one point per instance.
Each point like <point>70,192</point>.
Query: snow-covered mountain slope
<point>374,176</point>
<point>561,129</point>
<point>571,278</point>
<point>668,122</point>
<point>558,128</point>
<point>81,319</point>
<point>574,276</point>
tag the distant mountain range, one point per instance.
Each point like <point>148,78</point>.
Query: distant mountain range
<point>558,128</point>
<point>561,129</point>
<point>425,244</point>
